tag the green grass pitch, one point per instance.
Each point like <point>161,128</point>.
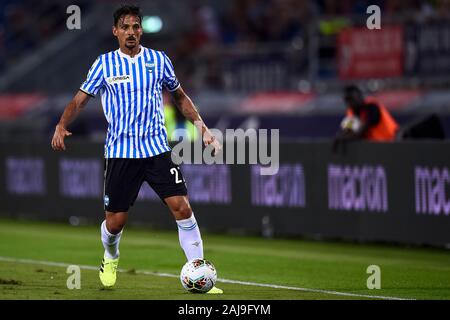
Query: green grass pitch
<point>271,269</point>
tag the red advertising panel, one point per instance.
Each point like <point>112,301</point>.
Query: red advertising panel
<point>364,53</point>
<point>275,102</point>
<point>15,105</point>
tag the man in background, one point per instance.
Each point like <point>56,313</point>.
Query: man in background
<point>366,119</point>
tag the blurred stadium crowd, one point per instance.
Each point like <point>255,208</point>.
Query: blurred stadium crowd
<point>26,25</point>
<point>263,62</point>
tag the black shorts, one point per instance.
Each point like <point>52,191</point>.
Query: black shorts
<point>124,178</point>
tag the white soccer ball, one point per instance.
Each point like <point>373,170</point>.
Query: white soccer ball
<point>351,123</point>
<point>198,276</point>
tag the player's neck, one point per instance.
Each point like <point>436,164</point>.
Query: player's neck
<point>131,52</point>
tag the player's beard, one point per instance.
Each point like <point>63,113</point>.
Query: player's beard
<point>131,45</point>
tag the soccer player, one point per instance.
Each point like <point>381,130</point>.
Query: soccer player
<point>130,81</point>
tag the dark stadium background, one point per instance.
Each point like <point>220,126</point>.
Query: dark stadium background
<point>261,64</point>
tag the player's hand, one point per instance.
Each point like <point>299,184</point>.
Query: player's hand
<point>58,138</point>
<point>209,139</point>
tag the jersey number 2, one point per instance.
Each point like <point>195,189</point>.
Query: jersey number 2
<point>176,173</point>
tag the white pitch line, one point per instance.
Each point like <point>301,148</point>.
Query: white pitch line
<point>245,283</point>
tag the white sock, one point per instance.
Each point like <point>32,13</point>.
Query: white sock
<point>110,242</point>
<point>190,239</point>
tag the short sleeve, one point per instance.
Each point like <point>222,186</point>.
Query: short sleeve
<point>95,79</point>
<point>170,80</point>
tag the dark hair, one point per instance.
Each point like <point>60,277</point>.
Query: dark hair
<point>125,10</point>
<point>351,89</point>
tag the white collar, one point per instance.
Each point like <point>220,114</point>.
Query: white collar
<point>123,55</point>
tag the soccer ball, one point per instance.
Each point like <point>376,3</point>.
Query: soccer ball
<point>198,276</point>
<point>351,123</point>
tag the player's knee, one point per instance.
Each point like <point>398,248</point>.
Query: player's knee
<point>182,211</point>
<point>115,226</point>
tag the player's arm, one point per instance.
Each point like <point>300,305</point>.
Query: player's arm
<point>343,136</point>
<point>190,112</point>
<point>371,120</point>
<point>347,134</point>
<point>70,113</point>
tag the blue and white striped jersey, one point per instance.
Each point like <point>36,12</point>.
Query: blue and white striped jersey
<point>131,91</point>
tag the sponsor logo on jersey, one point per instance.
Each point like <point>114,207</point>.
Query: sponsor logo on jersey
<point>118,79</point>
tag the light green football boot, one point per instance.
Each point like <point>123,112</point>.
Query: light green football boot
<point>215,290</point>
<point>108,271</point>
